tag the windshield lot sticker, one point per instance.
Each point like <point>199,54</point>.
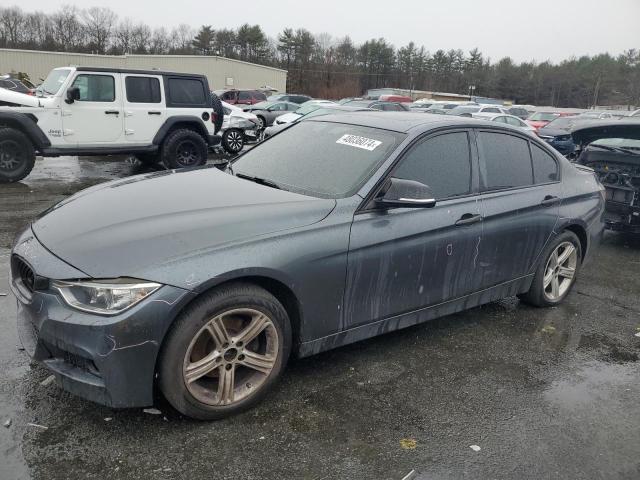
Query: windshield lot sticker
<point>359,142</point>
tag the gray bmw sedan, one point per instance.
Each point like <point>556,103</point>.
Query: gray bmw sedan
<point>339,228</point>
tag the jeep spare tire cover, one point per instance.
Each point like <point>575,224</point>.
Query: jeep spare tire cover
<point>217,107</point>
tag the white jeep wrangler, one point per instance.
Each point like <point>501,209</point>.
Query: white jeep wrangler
<point>157,116</point>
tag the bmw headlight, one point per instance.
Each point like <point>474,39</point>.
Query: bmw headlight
<point>105,297</point>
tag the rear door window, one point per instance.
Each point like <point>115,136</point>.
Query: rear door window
<point>443,163</point>
<point>142,90</point>
<point>505,161</point>
<point>545,167</point>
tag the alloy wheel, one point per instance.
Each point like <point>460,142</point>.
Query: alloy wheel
<point>230,357</point>
<point>235,140</point>
<point>11,155</point>
<point>560,271</point>
<point>187,153</point>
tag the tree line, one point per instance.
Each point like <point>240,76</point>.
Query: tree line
<point>325,66</point>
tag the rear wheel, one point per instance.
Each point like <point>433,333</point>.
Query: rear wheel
<point>262,123</point>
<point>225,351</point>
<point>17,155</point>
<point>233,140</point>
<point>556,274</point>
<point>184,148</point>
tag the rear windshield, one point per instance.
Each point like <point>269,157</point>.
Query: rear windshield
<point>304,158</point>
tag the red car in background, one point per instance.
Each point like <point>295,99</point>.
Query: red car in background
<point>395,98</point>
<point>540,119</point>
<point>241,97</point>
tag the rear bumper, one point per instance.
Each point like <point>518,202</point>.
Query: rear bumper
<point>214,140</point>
<point>108,360</point>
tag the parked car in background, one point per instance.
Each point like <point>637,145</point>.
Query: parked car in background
<point>305,108</point>
<point>470,110</point>
<point>379,105</point>
<point>520,112</point>
<point>238,128</point>
<point>241,97</point>
<point>440,108</point>
<point>635,113</point>
<point>420,106</point>
<point>612,149</point>
<point>508,120</point>
<point>268,111</point>
<point>395,98</point>
<point>540,119</point>
<point>595,115</point>
<point>289,97</point>
<point>322,110</point>
<point>557,133</point>
<point>14,84</point>
<point>342,101</point>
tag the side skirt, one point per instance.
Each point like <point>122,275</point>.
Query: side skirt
<point>507,289</point>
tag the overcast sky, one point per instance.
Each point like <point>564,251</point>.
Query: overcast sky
<point>523,29</point>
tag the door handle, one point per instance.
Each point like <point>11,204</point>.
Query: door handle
<point>549,200</point>
<point>112,112</point>
<point>154,112</point>
<point>468,219</point>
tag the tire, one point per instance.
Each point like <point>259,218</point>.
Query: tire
<point>549,295</point>
<point>184,148</point>
<point>17,155</point>
<point>196,335</point>
<point>263,122</point>
<point>233,140</point>
<point>217,108</point>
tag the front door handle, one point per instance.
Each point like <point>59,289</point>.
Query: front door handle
<point>112,112</point>
<point>154,112</point>
<point>549,200</point>
<point>468,219</point>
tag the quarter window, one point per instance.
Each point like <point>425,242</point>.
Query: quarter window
<point>96,88</point>
<point>443,163</point>
<point>142,89</point>
<point>506,161</point>
<point>186,91</point>
<point>545,167</point>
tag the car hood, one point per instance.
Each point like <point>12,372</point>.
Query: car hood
<point>134,226</point>
<point>553,132</point>
<point>18,98</point>
<point>585,134</point>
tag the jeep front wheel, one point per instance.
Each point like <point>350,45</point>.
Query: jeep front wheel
<point>184,148</point>
<point>17,155</point>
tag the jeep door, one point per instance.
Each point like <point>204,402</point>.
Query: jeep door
<point>96,118</point>
<point>144,111</point>
<point>405,259</point>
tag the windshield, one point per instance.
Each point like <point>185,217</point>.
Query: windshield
<point>53,82</point>
<point>263,105</point>
<point>543,116</point>
<point>306,157</point>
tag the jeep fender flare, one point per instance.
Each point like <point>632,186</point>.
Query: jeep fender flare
<point>184,121</point>
<point>27,124</point>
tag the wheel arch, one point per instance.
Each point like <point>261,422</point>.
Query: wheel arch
<point>181,122</point>
<point>27,124</point>
<point>581,232</point>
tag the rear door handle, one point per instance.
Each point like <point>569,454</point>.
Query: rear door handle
<point>112,112</point>
<point>154,112</point>
<point>468,219</point>
<point>549,200</point>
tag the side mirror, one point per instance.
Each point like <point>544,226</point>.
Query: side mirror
<point>401,193</point>
<point>73,94</point>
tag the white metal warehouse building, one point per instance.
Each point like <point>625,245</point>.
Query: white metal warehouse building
<point>221,72</point>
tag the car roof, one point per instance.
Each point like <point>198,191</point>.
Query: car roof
<point>134,71</point>
<point>403,122</point>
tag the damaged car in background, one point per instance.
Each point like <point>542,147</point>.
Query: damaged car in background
<point>612,149</point>
<point>340,228</point>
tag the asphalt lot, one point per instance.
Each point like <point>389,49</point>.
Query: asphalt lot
<point>544,393</point>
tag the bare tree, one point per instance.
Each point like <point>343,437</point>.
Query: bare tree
<point>181,37</point>
<point>141,38</point>
<point>68,32</point>
<point>12,21</point>
<point>159,41</point>
<point>99,23</point>
<point>123,36</point>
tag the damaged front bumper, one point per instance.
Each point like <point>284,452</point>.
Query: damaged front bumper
<point>106,359</point>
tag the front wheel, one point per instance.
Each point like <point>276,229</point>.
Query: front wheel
<point>17,155</point>
<point>556,273</point>
<point>225,352</point>
<point>233,140</point>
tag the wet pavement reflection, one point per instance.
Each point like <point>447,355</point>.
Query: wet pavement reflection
<point>544,393</point>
